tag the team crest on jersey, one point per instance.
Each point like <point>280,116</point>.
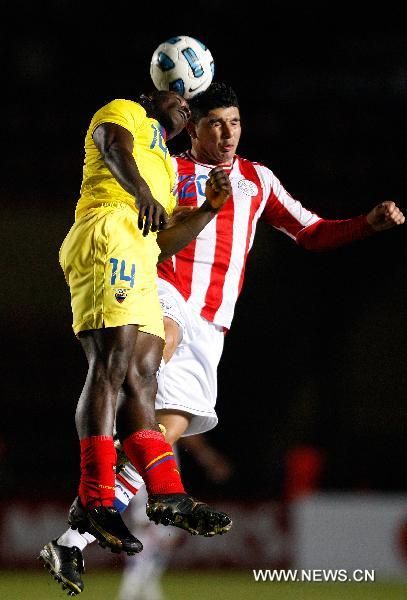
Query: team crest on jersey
<point>248,187</point>
<point>120,294</point>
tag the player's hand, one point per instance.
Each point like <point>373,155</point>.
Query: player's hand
<point>152,216</point>
<point>385,216</point>
<point>218,188</point>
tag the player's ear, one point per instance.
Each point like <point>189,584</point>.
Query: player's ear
<point>191,129</point>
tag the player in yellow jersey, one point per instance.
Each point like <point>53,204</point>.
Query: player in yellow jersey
<point>109,260</point>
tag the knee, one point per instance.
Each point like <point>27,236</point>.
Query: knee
<point>110,371</point>
<point>145,368</point>
<point>176,422</point>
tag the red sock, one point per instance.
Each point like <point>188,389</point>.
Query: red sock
<point>98,461</point>
<point>155,461</point>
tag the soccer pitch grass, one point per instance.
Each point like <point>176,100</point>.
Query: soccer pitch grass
<point>222,585</point>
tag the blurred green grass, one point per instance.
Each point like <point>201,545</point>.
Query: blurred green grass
<point>222,585</point>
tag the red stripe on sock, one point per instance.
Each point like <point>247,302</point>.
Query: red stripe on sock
<point>98,461</point>
<point>124,481</point>
<point>143,447</point>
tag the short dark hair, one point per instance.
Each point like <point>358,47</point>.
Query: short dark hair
<point>218,95</point>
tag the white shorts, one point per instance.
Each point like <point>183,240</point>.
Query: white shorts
<point>188,382</point>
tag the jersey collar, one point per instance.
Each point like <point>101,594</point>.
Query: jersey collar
<point>226,166</point>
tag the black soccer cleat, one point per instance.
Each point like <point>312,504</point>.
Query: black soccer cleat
<point>65,565</point>
<point>105,523</point>
<point>183,511</point>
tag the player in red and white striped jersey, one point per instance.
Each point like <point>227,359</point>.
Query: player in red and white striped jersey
<point>209,272</point>
<point>205,278</point>
<point>200,285</point>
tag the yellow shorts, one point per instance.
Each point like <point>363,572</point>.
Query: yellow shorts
<point>111,270</point>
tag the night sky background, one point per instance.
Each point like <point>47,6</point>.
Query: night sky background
<point>316,355</point>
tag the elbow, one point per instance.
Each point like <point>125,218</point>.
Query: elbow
<point>108,153</point>
<point>310,239</point>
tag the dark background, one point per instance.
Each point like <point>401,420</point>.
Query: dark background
<point>316,354</point>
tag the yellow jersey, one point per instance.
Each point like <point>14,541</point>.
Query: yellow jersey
<point>150,152</point>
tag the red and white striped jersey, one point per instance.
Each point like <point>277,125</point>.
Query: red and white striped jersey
<point>209,271</point>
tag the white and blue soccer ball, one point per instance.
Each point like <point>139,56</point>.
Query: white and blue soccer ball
<point>182,64</point>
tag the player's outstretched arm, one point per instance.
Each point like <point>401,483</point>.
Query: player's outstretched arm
<point>115,144</point>
<point>217,191</point>
<point>385,216</point>
<point>326,234</point>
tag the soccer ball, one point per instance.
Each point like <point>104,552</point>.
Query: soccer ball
<point>182,64</point>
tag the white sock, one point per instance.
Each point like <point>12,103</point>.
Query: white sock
<point>72,537</point>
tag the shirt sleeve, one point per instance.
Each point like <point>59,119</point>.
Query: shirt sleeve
<point>125,113</point>
<point>311,232</point>
<point>282,211</point>
<point>327,235</point>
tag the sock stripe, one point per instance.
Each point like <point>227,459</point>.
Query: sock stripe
<point>121,506</point>
<point>158,458</point>
<point>150,450</point>
<point>160,462</point>
<point>124,481</point>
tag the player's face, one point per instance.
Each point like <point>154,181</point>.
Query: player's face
<point>216,136</point>
<point>172,111</point>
